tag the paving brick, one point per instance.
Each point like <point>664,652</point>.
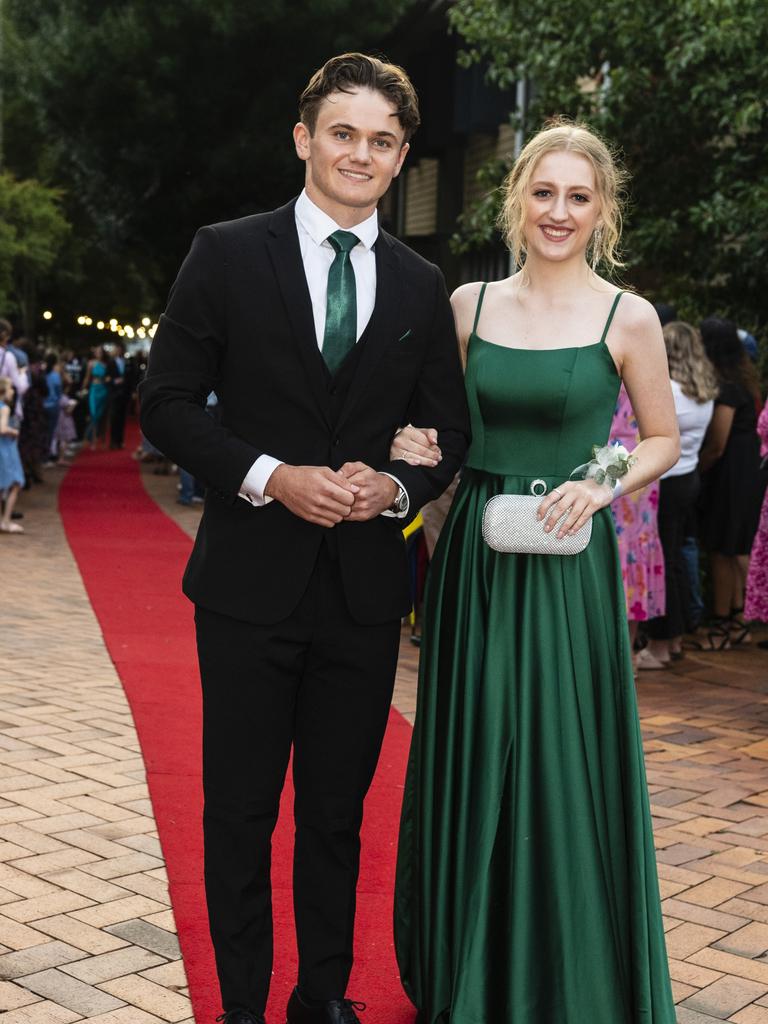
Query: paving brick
<point>77,933</point>
<point>167,1005</point>
<point>129,960</point>
<point>70,993</point>
<point>171,975</point>
<point>96,889</point>
<point>751,940</point>
<point>142,933</point>
<point>12,996</point>
<point>725,996</point>
<point>751,1015</point>
<point>16,935</point>
<point>687,938</point>
<point>48,953</point>
<point>41,1012</point>
<point>118,910</point>
<point>58,902</point>
<point>714,892</point>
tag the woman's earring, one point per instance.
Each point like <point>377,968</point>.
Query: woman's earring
<point>597,238</point>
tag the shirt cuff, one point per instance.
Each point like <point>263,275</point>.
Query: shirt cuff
<point>256,480</point>
<point>404,513</point>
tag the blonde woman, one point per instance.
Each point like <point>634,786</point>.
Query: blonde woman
<point>694,388</point>
<point>526,884</point>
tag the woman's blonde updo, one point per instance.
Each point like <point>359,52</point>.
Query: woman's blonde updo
<point>610,178</point>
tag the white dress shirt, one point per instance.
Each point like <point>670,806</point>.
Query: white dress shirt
<point>314,226</point>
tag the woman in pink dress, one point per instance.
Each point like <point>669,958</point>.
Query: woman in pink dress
<point>642,559</point>
<point>756,603</point>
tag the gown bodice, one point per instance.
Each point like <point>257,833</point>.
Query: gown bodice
<point>538,412</point>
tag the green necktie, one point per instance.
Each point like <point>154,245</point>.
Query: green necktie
<point>341,304</point>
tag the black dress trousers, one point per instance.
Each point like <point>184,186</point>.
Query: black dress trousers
<point>323,683</point>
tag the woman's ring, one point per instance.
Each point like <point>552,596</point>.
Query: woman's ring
<point>558,493</point>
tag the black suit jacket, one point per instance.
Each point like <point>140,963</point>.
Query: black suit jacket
<point>239,322</point>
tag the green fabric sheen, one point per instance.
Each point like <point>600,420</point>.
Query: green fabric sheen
<point>341,302</point>
<point>526,888</point>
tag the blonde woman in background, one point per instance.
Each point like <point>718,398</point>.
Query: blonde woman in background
<point>694,388</point>
<point>526,879</point>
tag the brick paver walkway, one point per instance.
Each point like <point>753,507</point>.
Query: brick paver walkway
<point>85,926</point>
<point>86,929</point>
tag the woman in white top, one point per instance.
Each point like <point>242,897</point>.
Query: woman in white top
<point>694,387</point>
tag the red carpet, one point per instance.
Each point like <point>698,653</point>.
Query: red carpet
<point>131,556</point>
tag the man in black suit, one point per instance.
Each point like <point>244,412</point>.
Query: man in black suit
<point>320,334</point>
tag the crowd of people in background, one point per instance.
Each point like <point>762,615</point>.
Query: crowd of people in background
<point>50,404</point>
<point>709,502</point>
<point>712,503</point>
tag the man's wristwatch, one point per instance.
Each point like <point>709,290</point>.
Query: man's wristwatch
<point>400,504</point>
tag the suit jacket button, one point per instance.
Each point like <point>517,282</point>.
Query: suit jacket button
<point>337,441</point>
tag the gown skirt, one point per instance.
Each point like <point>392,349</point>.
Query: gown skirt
<point>527,890</point>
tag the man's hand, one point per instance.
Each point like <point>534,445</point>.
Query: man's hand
<point>314,493</point>
<point>375,492</point>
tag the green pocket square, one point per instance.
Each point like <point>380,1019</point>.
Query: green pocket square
<point>404,337</point>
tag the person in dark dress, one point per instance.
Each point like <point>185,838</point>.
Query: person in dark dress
<point>732,489</point>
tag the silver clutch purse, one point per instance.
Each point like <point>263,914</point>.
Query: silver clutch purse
<point>510,526</point>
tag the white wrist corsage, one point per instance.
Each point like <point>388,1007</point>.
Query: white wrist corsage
<point>608,464</point>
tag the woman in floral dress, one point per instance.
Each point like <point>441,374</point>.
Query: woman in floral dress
<point>635,518</point>
<point>756,603</point>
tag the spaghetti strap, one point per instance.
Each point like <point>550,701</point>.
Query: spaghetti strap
<point>479,306</point>
<point>610,317</point>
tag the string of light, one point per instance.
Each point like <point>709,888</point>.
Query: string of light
<point>146,329</point>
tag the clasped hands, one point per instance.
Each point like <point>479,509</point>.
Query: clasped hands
<point>354,494</point>
<point>577,500</point>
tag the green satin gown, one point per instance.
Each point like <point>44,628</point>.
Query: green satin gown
<point>526,889</point>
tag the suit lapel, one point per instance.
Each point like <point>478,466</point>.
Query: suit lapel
<point>382,326</point>
<point>285,253</point>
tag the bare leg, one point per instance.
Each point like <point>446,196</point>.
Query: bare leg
<point>6,522</point>
<point>722,583</point>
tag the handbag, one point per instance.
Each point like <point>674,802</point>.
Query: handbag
<point>510,526</point>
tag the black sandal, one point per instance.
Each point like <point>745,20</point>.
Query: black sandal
<point>738,629</point>
<point>718,634</point>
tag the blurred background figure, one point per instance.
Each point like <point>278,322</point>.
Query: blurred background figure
<point>756,603</point>
<point>33,436</point>
<point>52,402</point>
<point>640,553</point>
<point>694,388</point>
<point>96,385</point>
<point>11,472</point>
<point>732,488</point>
<point>120,395</point>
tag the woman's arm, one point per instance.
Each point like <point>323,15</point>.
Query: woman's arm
<point>645,371</point>
<point>641,357</point>
<point>718,432</point>
<point>5,430</point>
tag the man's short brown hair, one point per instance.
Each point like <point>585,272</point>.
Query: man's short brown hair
<point>350,71</point>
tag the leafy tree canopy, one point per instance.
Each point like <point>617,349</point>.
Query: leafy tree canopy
<point>32,231</point>
<point>680,87</point>
<point>155,118</point>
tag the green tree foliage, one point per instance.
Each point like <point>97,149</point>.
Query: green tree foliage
<point>32,232</point>
<point>680,87</point>
<point>156,118</point>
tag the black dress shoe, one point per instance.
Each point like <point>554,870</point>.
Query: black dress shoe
<point>239,1017</point>
<point>336,1011</point>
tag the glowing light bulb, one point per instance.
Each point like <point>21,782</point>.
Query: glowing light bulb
<point>81,320</point>
<point>100,325</point>
<point>47,315</point>
<point>145,321</point>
